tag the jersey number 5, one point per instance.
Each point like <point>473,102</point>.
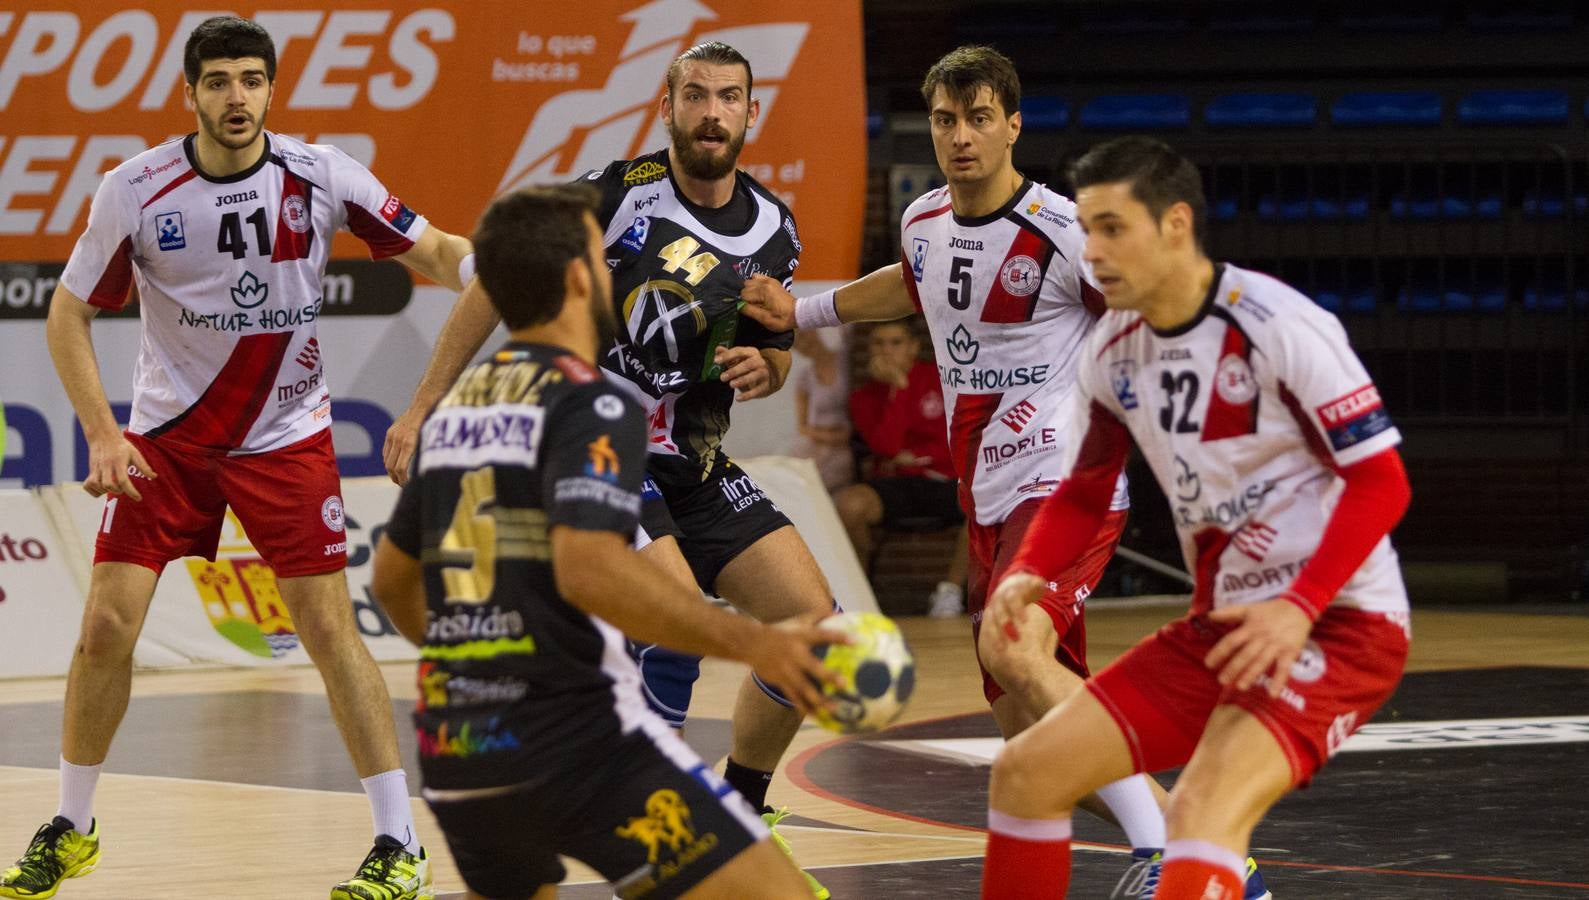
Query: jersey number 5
<point>1180,388</point>
<point>230,240</point>
<point>960,282</point>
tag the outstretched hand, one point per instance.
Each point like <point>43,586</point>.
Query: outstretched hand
<point>768,303</point>
<point>783,659</point>
<point>1268,638</point>
<point>401,439</point>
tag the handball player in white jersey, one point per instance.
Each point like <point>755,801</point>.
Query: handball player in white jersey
<point>1267,434</point>
<point>226,233</point>
<point>993,262</point>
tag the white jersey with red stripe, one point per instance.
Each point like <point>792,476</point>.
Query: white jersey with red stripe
<point>1245,415</point>
<point>1008,308</point>
<point>229,274</point>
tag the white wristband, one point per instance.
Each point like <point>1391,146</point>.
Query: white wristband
<point>817,311</point>
<point>465,271</point>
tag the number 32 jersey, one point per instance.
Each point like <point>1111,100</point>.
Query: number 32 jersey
<point>1008,308</point>
<point>1244,414</point>
<point>229,274</point>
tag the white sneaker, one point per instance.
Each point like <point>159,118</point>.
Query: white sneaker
<point>947,601</point>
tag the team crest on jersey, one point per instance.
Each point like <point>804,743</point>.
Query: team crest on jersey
<point>748,267</point>
<point>1310,665</point>
<point>1122,375</point>
<point>331,514</point>
<point>645,173</point>
<point>1234,381</point>
<point>635,237</point>
<point>918,258</point>
<point>295,213</point>
<point>168,228</point>
<point>1020,276</point>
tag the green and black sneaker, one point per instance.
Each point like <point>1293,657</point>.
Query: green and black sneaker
<point>58,852</point>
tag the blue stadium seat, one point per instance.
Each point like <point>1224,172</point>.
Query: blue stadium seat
<point>1359,298</point>
<point>1554,205</point>
<point>1425,298</point>
<point>874,124</point>
<point>1425,207</point>
<point>1223,208</point>
<point>1553,298</point>
<point>1512,107</point>
<point>1387,108</point>
<point>1130,112</point>
<point>1043,113</point>
<point>1262,111</point>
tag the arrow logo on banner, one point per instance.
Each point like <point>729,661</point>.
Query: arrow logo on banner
<point>611,119</point>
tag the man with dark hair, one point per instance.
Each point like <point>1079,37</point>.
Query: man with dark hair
<point>1238,387</point>
<point>683,229</point>
<point>229,230</point>
<point>993,263</point>
<point>529,523</point>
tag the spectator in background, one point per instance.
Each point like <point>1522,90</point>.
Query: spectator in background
<point>910,479</point>
<point>822,387</point>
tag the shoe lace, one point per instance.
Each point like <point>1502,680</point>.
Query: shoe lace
<point>1139,880</point>
<point>377,866</point>
<point>41,861</point>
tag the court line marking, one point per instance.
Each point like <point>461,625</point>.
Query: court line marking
<point>797,776</point>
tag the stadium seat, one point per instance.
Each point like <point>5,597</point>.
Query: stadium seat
<point>1267,22</point>
<point>1513,107</point>
<point>1554,204</point>
<point>874,124</point>
<point>1394,22</point>
<point>1044,113</point>
<point>1451,206</point>
<point>1224,208</point>
<point>1370,108</point>
<point>1553,298</point>
<point>1131,112</point>
<point>1486,21</point>
<point>1262,111</point>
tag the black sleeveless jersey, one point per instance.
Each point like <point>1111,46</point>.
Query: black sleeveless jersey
<point>677,271</point>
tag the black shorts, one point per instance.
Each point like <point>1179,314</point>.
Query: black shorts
<point>713,518</point>
<point>916,502</point>
<point>647,814</point>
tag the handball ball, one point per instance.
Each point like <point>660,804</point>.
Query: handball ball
<point>878,666</point>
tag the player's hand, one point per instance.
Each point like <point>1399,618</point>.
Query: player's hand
<point>111,465</point>
<point>1267,640</point>
<point>768,303</point>
<point>401,439</point>
<point>1007,607</point>
<point>745,370</point>
<point>783,659</point>
<point>882,370</point>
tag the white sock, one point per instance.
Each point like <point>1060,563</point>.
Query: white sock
<point>77,795</point>
<point>1131,800</point>
<point>388,793</point>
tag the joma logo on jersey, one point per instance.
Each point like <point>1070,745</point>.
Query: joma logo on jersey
<point>229,199</point>
<point>956,243</point>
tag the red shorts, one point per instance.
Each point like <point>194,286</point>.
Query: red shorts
<point>1161,694</point>
<point>992,549</point>
<point>289,501</point>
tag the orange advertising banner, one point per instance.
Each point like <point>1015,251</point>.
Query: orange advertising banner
<point>449,102</point>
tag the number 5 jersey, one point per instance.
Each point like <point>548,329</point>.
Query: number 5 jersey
<point>229,273</point>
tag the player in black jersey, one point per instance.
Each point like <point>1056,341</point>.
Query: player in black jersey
<point>506,559</point>
<point>682,231</point>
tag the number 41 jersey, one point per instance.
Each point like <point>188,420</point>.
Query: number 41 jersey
<point>229,274</point>
<point>1008,308</point>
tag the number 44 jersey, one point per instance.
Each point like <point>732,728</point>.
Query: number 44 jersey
<point>229,273</point>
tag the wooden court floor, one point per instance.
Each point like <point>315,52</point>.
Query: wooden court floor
<point>232,782</point>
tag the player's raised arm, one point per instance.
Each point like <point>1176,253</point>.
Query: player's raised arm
<point>441,257</point>
<point>468,325</point>
<point>878,297</point>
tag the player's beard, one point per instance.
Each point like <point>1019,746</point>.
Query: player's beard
<point>216,129</point>
<point>704,164</point>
